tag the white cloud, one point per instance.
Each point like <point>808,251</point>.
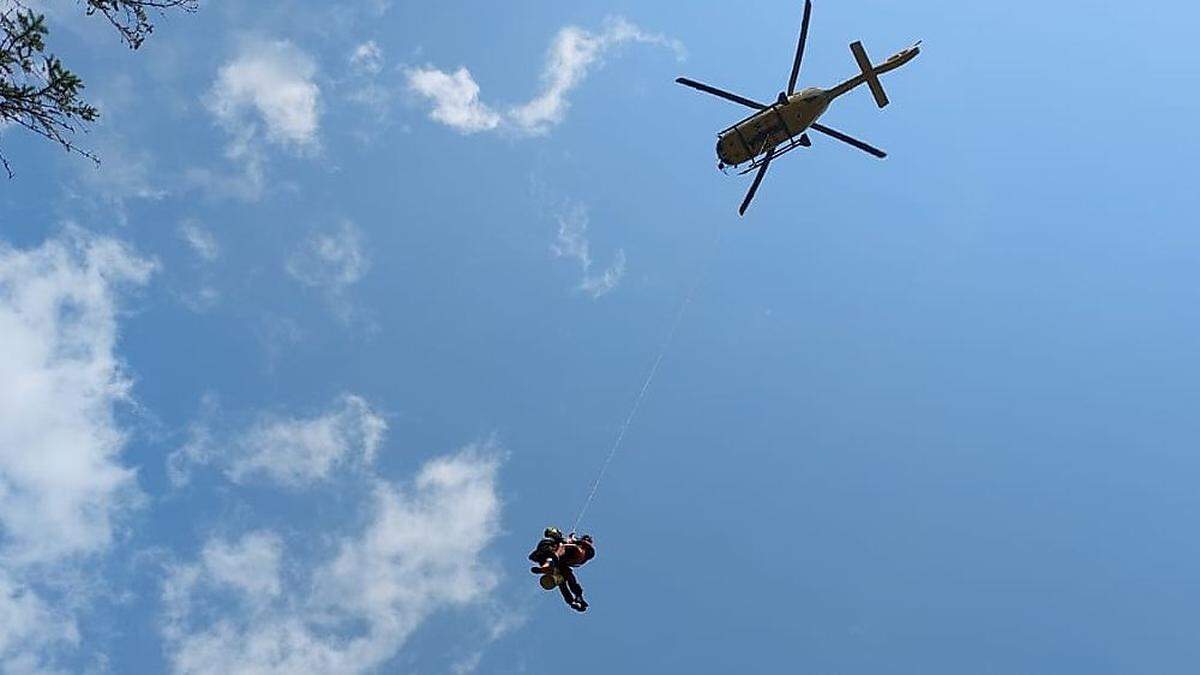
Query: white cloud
<point>455,98</point>
<point>201,300</point>
<point>61,482</point>
<point>365,88</point>
<point>265,94</point>
<point>598,285</point>
<point>302,451</point>
<point>367,58</point>
<point>199,450</point>
<point>30,631</point>
<point>380,7</point>
<point>201,241</point>
<point>500,621</point>
<point>247,183</point>
<point>294,452</point>
<point>330,260</point>
<point>62,485</point>
<point>572,54</point>
<point>250,565</point>
<point>203,244</point>
<point>269,82</point>
<point>419,552</point>
<point>572,243</point>
<point>126,172</point>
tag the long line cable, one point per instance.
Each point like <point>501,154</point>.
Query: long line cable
<point>641,395</point>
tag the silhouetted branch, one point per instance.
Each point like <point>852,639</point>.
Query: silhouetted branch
<point>37,92</point>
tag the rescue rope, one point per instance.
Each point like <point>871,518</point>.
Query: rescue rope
<point>641,395</point>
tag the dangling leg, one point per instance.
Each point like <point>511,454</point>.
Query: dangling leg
<point>567,595</point>
<point>569,580</point>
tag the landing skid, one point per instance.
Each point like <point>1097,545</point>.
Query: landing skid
<point>781,149</point>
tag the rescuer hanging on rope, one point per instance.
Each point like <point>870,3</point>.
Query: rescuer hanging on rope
<point>555,556</point>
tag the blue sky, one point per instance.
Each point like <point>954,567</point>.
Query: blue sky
<point>362,292</point>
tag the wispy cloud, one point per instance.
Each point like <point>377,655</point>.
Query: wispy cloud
<point>367,58</point>
<point>300,451</point>
<point>455,98</point>
<point>63,487</point>
<point>367,87</point>
<point>573,53</point>
<point>290,451</point>
<point>128,173</point>
<point>269,83</point>
<point>32,632</point>
<point>249,565</point>
<point>204,246</point>
<point>59,440</point>
<point>572,243</point>
<point>266,94</point>
<point>353,609</point>
<point>331,261</point>
<point>202,242</point>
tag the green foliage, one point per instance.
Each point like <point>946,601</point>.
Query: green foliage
<point>37,91</point>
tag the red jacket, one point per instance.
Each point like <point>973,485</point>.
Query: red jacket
<point>576,552</point>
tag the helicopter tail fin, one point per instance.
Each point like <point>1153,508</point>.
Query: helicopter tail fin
<point>869,74</point>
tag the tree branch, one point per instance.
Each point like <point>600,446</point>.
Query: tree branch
<point>37,92</point>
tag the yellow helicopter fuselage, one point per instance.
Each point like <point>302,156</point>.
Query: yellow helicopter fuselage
<point>771,126</point>
<point>790,116</point>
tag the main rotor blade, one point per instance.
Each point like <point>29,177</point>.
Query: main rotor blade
<point>848,139</point>
<point>800,48</point>
<point>720,92</point>
<point>762,171</point>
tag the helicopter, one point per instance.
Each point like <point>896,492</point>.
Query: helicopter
<point>775,129</point>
